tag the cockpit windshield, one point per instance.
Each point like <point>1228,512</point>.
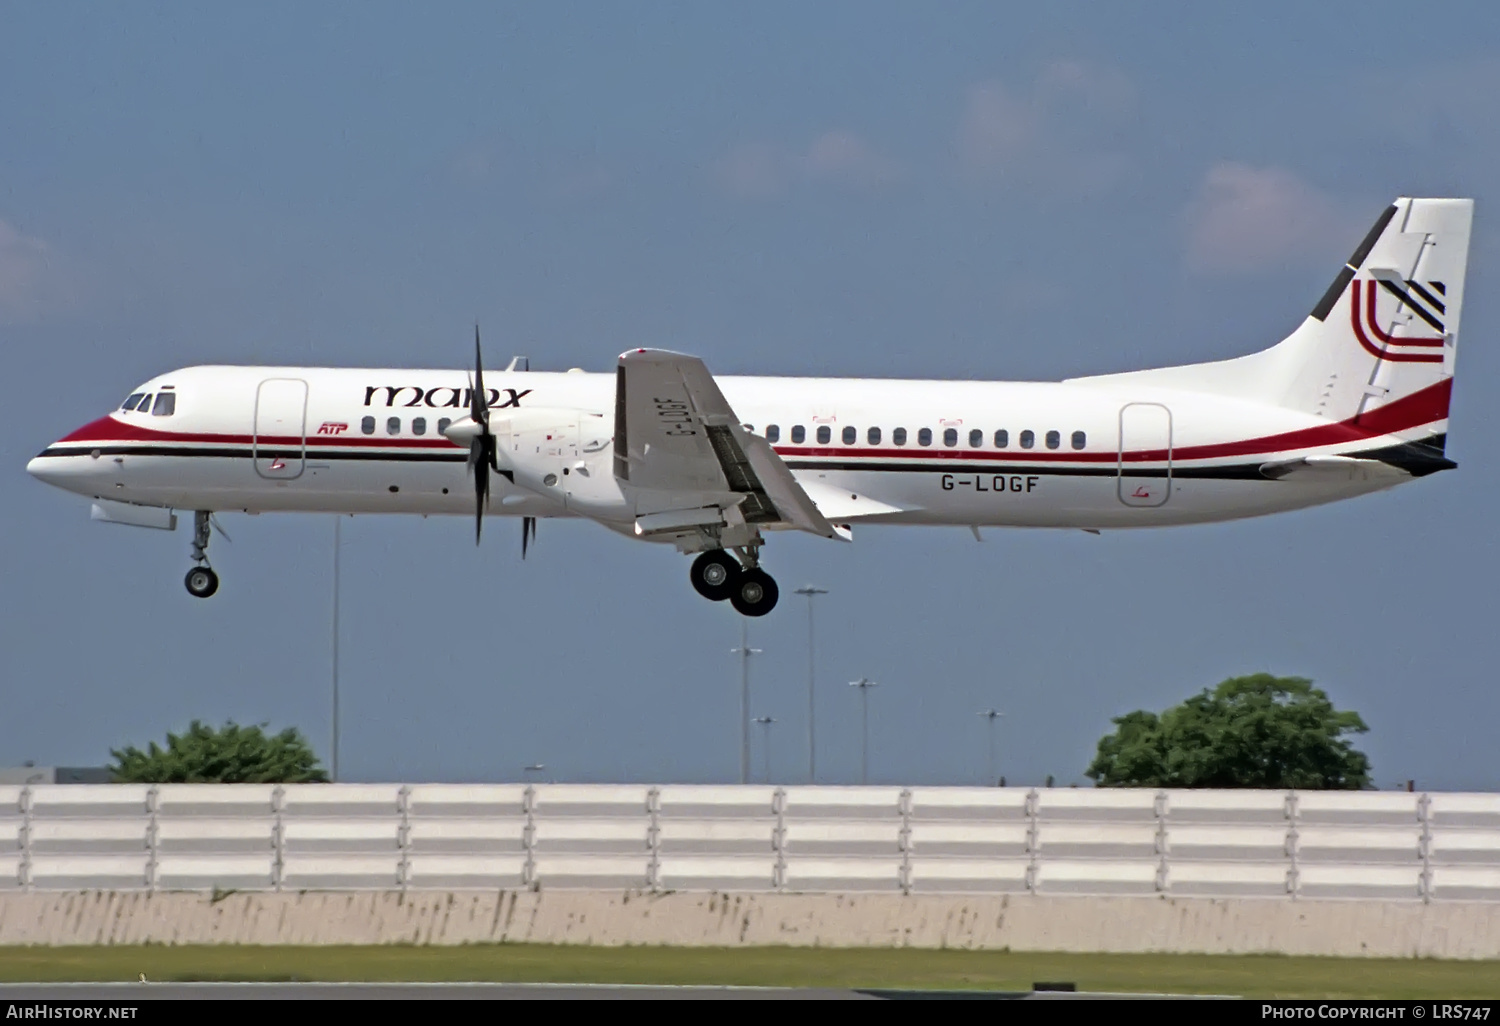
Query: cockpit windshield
<point>158,404</point>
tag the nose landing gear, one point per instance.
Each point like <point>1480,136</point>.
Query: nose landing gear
<point>201,580</point>
<point>716,575</point>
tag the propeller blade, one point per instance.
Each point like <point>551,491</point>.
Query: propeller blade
<point>479,406</point>
<point>528,532</point>
<point>482,455</point>
<point>481,486</point>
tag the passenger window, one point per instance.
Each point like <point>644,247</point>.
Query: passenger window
<point>873,436</point>
<point>419,425</point>
<point>950,437</point>
<point>367,426</point>
<point>393,426</point>
<point>924,436</point>
<point>1028,439</point>
<point>133,401</point>
<point>799,434</point>
<point>1080,439</point>
<point>1054,439</point>
<point>825,434</point>
<point>976,438</point>
<point>166,404</point>
<point>1002,438</point>
<point>443,423</point>
<point>898,436</point>
<point>773,433</point>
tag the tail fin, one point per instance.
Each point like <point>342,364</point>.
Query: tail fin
<point>1385,332</point>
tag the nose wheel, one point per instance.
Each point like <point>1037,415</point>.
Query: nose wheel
<point>717,576</point>
<point>201,580</point>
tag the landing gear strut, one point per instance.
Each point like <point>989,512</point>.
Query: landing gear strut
<point>716,575</point>
<point>201,580</point>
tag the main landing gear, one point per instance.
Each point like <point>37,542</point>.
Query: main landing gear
<point>201,580</point>
<point>718,576</point>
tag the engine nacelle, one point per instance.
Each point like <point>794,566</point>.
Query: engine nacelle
<point>560,454</point>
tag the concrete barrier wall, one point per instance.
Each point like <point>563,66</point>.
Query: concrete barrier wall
<point>1019,922</point>
<point>1047,842</point>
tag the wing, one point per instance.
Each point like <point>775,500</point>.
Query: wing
<point>681,448</point>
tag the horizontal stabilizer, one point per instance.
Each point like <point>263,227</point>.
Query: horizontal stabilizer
<point>1333,468</point>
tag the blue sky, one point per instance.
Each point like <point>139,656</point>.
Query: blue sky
<point>956,190</point>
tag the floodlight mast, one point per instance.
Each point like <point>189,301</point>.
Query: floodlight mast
<point>810,591</point>
<point>744,652</point>
<point>991,715</point>
<point>864,684</point>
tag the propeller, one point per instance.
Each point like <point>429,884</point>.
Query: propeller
<point>528,533</point>
<point>482,455</point>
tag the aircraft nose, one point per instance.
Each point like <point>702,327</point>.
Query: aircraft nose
<point>51,470</point>
<point>63,466</point>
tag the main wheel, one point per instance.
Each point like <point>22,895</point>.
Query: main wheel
<point>201,582</point>
<point>714,575</point>
<point>755,593</point>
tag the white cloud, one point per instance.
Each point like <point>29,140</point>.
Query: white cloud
<point>754,170</point>
<point>758,170</point>
<point>25,275</point>
<point>1065,133</point>
<point>844,157</point>
<point>1248,219</point>
<point>997,129</point>
<point>1101,90</point>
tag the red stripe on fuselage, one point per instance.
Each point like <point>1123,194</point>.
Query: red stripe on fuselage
<point>109,429</point>
<point>1422,407</point>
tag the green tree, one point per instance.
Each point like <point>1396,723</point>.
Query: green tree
<point>229,755</point>
<point>1255,731</point>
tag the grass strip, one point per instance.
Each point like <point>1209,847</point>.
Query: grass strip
<point>885,968</point>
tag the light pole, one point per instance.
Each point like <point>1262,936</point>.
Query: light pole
<point>765,722</point>
<point>864,684</point>
<point>812,743</point>
<point>338,524</point>
<point>744,652</point>
<point>991,716</point>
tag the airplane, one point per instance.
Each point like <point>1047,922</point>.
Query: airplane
<point>1355,400</point>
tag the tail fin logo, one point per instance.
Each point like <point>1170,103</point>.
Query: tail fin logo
<point>1425,301</point>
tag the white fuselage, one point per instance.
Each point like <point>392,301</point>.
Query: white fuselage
<point>967,453</point>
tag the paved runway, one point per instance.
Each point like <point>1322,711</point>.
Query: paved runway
<point>83,992</point>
